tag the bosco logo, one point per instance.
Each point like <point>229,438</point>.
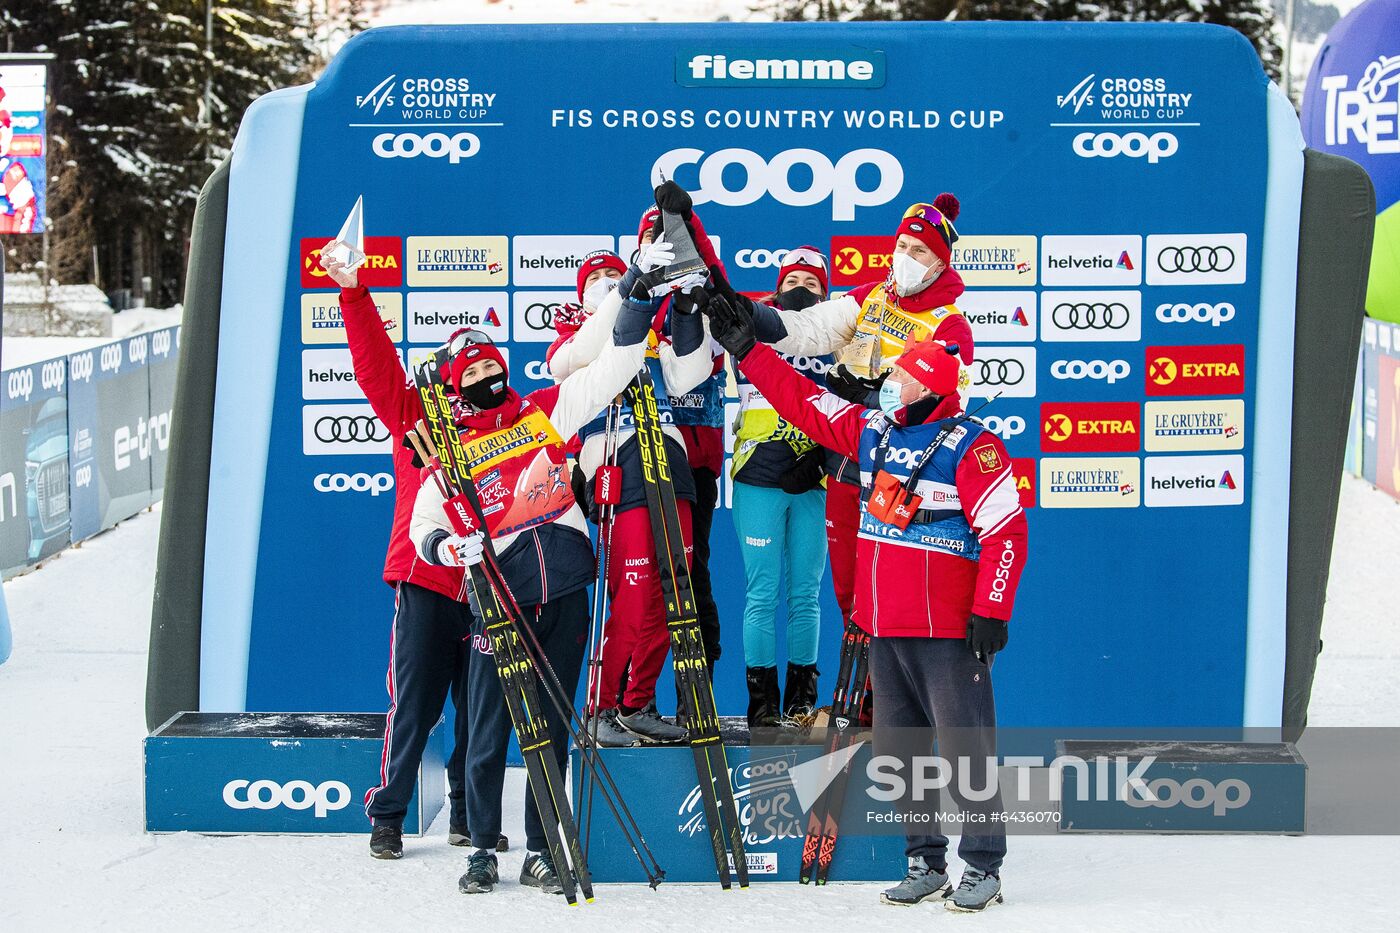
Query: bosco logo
<point>454,148</point>
<point>111,358</point>
<point>20,384</point>
<point>353,482</point>
<point>52,374</point>
<point>80,367</point>
<point>1109,371</point>
<point>1203,313</point>
<point>1155,148</point>
<point>294,795</point>
<point>836,182</point>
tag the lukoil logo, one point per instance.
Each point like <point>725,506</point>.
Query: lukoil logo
<point>773,177</point>
<point>847,67</point>
<point>1109,371</point>
<point>454,148</point>
<point>1365,115</point>
<point>294,795</point>
<point>1154,148</point>
<point>1203,313</point>
<point>374,484</point>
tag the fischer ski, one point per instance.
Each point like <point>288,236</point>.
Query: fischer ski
<point>697,713</point>
<point>847,707</point>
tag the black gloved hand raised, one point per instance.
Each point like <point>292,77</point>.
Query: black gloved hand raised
<point>673,199</point>
<point>690,300</point>
<point>851,387</point>
<point>805,474</point>
<point>986,636</point>
<point>731,325</point>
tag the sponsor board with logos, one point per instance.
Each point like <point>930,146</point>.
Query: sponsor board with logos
<point>321,323</point>
<point>328,374</point>
<point>1193,481</point>
<point>1211,424</point>
<point>342,430</point>
<point>447,261</point>
<point>1091,260</point>
<point>1090,482</point>
<point>382,268</point>
<point>552,260</point>
<point>1090,427</point>
<point>1195,370</point>
<point>995,261</point>
<point>1005,371</point>
<point>433,317</point>
<point>1197,259</point>
<point>532,314</point>
<point>1000,317</point>
<point>1091,317</point>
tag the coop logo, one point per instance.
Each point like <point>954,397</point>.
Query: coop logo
<point>136,350</point>
<point>1202,313</point>
<point>80,367</point>
<point>162,342</point>
<point>1090,427</point>
<point>847,67</point>
<point>294,795</point>
<point>1091,317</point>
<point>454,148</point>
<point>1008,371</point>
<point>856,260</point>
<point>995,260</point>
<point>760,258</point>
<point>382,268</point>
<point>139,442</point>
<point>1195,794</point>
<point>1213,424</point>
<point>1200,370</point>
<point>1197,259</point>
<point>374,484</point>
<point>20,384</point>
<point>1005,427</point>
<point>537,370</point>
<point>1366,114</point>
<point>1091,260</point>
<point>343,429</point>
<point>1109,371</point>
<point>53,374</point>
<point>110,358</point>
<point>1194,481</point>
<point>836,182</point>
<point>82,476</point>
<point>1090,482</point>
<point>553,260</point>
<point>1000,317</point>
<point>1154,148</point>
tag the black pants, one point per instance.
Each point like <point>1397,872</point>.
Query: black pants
<point>562,628</point>
<point>702,518</point>
<point>921,683</point>
<point>429,657</point>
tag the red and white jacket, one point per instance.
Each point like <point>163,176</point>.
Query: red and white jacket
<point>968,554</point>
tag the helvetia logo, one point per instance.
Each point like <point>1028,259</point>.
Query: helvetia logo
<point>1125,261</point>
<point>1194,481</point>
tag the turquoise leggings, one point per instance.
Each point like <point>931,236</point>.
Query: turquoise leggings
<point>779,532</point>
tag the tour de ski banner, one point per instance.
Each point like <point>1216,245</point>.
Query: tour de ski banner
<point>1116,187</point>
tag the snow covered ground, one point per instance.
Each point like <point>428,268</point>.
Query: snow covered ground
<point>21,351</point>
<point>71,724</point>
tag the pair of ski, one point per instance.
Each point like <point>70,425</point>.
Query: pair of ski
<point>823,821</point>
<point>519,657</point>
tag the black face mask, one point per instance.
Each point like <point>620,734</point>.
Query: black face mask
<point>487,393</point>
<point>796,299</point>
<point>920,411</point>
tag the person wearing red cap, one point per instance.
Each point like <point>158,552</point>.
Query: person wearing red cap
<point>941,548</point>
<point>867,328</point>
<point>514,449</point>
<point>779,517</point>
<point>18,205</point>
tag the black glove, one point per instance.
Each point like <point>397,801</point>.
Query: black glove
<point>673,199</point>
<point>690,301</point>
<point>851,387</point>
<point>986,636</point>
<point>731,326</point>
<point>408,445</point>
<point>719,285</point>
<point>805,474</point>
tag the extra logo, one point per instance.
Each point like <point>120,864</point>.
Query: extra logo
<point>1201,370</point>
<point>552,260</point>
<point>1091,260</point>
<point>1192,481</point>
<point>294,795</point>
<point>1000,317</point>
<point>343,429</point>
<point>1006,370</point>
<point>856,260</point>
<point>1365,115</point>
<point>1090,482</point>
<point>1023,469</point>
<point>995,261</point>
<point>1090,427</point>
<point>374,484</point>
<point>532,314</point>
<point>433,317</point>
<point>1109,371</point>
<point>1091,317</point>
<point>1203,313</point>
<point>383,265</point>
<point>1197,259</point>
<point>773,177</point>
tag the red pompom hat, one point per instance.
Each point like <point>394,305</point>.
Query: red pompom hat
<point>932,224</point>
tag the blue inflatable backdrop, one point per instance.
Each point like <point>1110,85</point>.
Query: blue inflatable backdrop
<point>1130,214</point>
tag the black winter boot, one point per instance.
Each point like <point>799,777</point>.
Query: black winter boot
<point>800,691</point>
<point>763,697</point>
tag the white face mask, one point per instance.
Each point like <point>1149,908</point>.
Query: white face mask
<point>594,294</point>
<point>909,274</point>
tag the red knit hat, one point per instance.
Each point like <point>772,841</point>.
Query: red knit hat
<point>599,259</point>
<point>649,218</point>
<point>804,259</point>
<point>935,364</point>
<point>932,224</point>
<point>465,347</point>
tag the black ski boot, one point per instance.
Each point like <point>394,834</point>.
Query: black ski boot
<point>481,876</point>
<point>763,697</point>
<point>386,841</point>
<point>800,691</point>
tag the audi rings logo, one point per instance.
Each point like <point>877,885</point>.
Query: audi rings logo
<point>1091,315</point>
<point>1155,148</point>
<point>1109,371</point>
<point>433,145</point>
<point>294,795</point>
<point>373,484</point>
<point>1196,259</point>
<point>349,429</point>
<point>994,372</point>
<point>539,315</point>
